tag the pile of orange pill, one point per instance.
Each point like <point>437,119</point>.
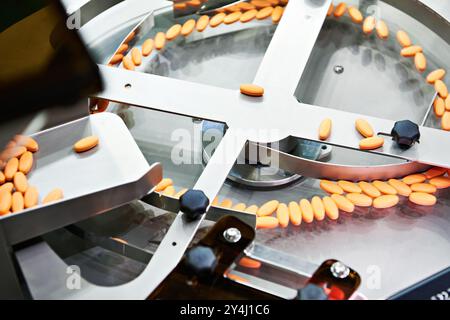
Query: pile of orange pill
<point>345,196</point>
<point>441,104</point>
<point>242,12</point>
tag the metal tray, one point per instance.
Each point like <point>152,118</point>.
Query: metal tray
<point>98,180</point>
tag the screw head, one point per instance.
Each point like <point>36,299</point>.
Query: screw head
<point>232,235</point>
<point>193,204</point>
<point>405,133</point>
<point>339,270</point>
<point>200,261</point>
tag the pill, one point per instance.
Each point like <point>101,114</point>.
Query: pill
<point>277,14</point>
<point>434,172</point>
<point>7,187</point>
<point>169,191</point>
<point>215,202</point>
<point>295,214</point>
<point>128,63</point>
<point>164,183</point>
<point>369,189</point>
<point>411,51</point>
<point>445,121</point>
<point>14,152</point>
<point>420,61</point>
<point>330,187</point>
<point>180,193</point>
<point>307,210</point>
<point>440,182</point>
<point>382,30</point>
<point>248,16</point>
<point>116,58</point>
<point>226,203</point>
<point>252,90</point>
<point>232,17</point>
<point>402,188</point>
<point>54,195</point>
<point>20,182</point>
<point>355,15</point>
<point>422,199</point>
<point>283,215</point>
<point>343,203</point>
<point>349,187</point>
<point>11,168</point>
<point>249,263</point>
<point>180,6</point>
<point>5,202</point>
<point>414,178</point>
<point>435,75</point>
<point>318,208</point>
<point>273,3</point>
<point>31,197</point>
<point>266,222</point>
<point>403,39</point>
<point>267,208</point>
<point>264,13</point>
<point>240,207</point>
<point>2,178</point>
<point>439,107</point>
<point>369,24</point>
<point>160,40</point>
<point>217,19</point>
<point>130,37</point>
<point>340,10</point>
<point>423,187</point>
<point>359,199</point>
<point>447,103</point>
<point>188,27</point>
<point>28,142</point>
<point>252,209</point>
<point>17,202</point>
<point>384,187</point>
<point>136,56</point>
<point>330,10</point>
<point>173,32</point>
<point>245,6</point>
<point>371,143</point>
<point>331,208</point>
<point>385,201</point>
<point>86,144</point>
<point>147,47</point>
<point>364,128</point>
<point>202,23</point>
<point>102,104</point>
<point>260,4</point>
<point>123,47</point>
<point>325,129</point>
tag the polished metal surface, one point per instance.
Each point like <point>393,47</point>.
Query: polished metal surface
<point>92,182</point>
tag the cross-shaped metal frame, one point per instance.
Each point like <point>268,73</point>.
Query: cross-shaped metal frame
<point>279,74</point>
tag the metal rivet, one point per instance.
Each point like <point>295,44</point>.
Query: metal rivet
<point>127,86</point>
<point>340,270</point>
<point>232,235</point>
<point>338,69</point>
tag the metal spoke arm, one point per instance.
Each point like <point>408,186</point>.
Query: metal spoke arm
<point>181,232</point>
<point>292,45</point>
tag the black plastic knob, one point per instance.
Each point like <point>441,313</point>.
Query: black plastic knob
<point>311,292</point>
<point>200,261</point>
<point>193,204</point>
<point>405,133</point>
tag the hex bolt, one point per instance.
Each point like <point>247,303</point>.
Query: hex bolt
<point>193,204</point>
<point>405,133</point>
<point>200,261</point>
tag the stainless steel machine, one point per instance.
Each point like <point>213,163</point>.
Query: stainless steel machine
<point>183,108</point>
